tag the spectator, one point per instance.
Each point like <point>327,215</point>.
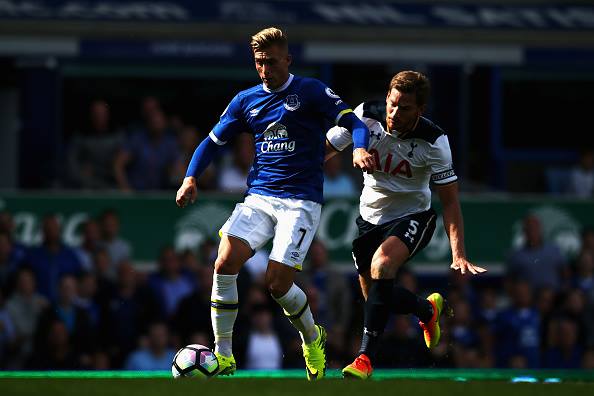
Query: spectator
<point>25,307</point>
<point>233,178</point>
<point>337,184</point>
<point>53,259</point>
<point>588,360</point>
<point>147,161</point>
<point>91,240</point>
<point>335,299</point>
<point>466,338</point>
<point>93,150</point>
<point>7,331</point>
<point>581,178</point>
<point>192,316</point>
<point>76,320</point>
<point>86,298</point>
<point>129,311</point>
<point>156,355</point>
<point>55,351</point>
<point>587,240</point>
<point>537,261</point>
<point>563,350</point>
<point>263,346</point>
<point>9,263</point>
<point>118,248</point>
<point>169,284</point>
<point>18,251</point>
<point>402,347</point>
<point>584,271</point>
<point>517,330</point>
<point>258,263</point>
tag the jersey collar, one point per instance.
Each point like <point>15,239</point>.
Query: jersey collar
<point>281,88</point>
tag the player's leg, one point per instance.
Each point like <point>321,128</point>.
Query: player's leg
<point>404,238</point>
<point>297,223</point>
<point>415,231</point>
<point>365,283</point>
<point>369,238</point>
<point>248,228</point>
<point>232,254</point>
<point>280,283</point>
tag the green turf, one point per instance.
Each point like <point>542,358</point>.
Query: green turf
<point>277,387</point>
<point>425,374</point>
<point>417,382</point>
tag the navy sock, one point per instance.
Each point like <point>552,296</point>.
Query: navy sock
<point>377,310</point>
<point>406,302</point>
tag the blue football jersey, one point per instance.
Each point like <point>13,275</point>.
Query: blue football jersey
<point>289,131</point>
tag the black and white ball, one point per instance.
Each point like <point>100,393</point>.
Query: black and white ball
<point>195,361</point>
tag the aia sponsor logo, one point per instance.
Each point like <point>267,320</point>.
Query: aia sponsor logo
<point>389,165</point>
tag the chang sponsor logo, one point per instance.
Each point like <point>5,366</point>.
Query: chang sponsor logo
<point>276,139</point>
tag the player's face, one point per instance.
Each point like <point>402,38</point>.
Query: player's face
<point>272,64</point>
<point>402,111</point>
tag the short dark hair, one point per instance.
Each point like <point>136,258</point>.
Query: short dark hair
<point>409,81</point>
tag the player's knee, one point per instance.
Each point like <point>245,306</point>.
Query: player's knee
<point>277,287</point>
<point>224,266</point>
<point>383,268</point>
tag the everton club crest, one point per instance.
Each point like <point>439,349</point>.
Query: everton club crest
<point>292,102</point>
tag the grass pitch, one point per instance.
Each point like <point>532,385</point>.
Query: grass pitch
<point>292,382</point>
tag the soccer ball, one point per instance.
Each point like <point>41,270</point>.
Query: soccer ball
<point>194,361</point>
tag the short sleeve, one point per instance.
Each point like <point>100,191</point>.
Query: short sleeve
<point>339,137</point>
<point>327,102</point>
<point>440,161</point>
<point>230,124</point>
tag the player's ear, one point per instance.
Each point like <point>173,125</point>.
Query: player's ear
<point>289,59</point>
<point>422,109</point>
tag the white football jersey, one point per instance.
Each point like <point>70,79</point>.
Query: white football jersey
<point>404,166</point>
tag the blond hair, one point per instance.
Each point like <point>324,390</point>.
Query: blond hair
<point>412,82</point>
<point>268,37</point>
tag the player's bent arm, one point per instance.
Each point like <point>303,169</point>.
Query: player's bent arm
<point>452,218</point>
<point>360,135</point>
<point>359,131</point>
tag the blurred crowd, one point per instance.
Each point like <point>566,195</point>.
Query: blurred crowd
<point>152,153</point>
<point>88,307</point>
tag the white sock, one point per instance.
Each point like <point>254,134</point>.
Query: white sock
<point>296,308</point>
<point>223,311</point>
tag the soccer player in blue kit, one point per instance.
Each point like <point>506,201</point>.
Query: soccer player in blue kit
<point>284,197</point>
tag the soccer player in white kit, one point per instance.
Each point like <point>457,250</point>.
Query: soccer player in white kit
<point>287,115</point>
<point>396,219</point>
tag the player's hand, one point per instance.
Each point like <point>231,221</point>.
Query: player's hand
<point>363,160</point>
<point>464,265</point>
<point>187,192</point>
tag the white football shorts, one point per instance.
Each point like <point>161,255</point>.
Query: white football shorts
<point>292,223</point>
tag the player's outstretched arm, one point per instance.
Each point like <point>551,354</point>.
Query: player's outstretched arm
<point>454,227</point>
<point>187,193</point>
<point>203,155</point>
